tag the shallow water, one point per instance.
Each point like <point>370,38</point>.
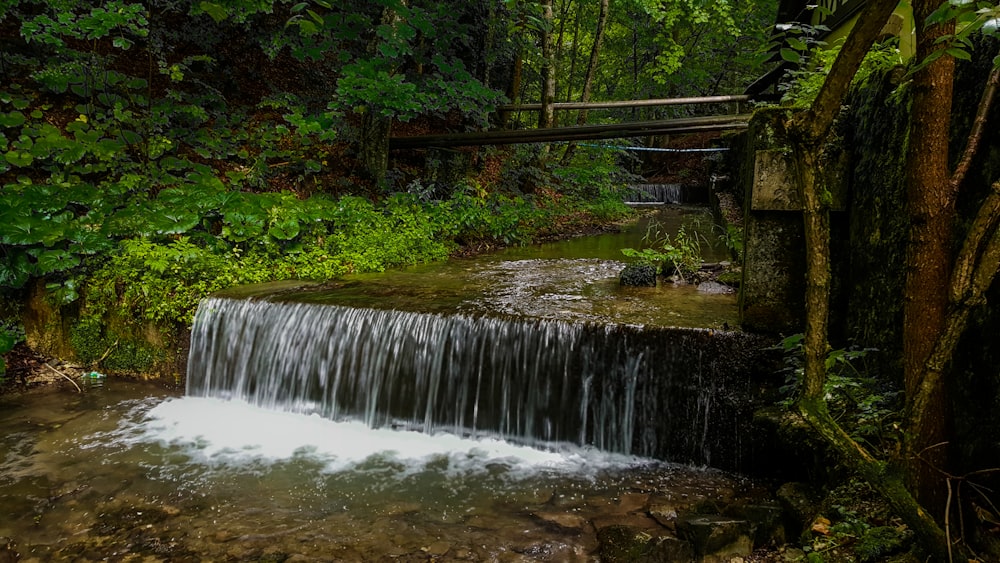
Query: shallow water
<point>129,471</point>
<point>127,468</point>
<point>574,280</point>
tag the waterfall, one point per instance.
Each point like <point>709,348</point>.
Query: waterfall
<point>655,193</point>
<point>534,381</point>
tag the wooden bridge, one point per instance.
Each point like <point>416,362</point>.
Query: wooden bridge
<point>586,132</point>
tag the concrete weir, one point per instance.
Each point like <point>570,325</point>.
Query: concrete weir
<point>683,395</point>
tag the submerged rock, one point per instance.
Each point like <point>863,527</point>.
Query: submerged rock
<point>621,544</point>
<point>561,521</point>
<point>716,538</point>
<point>640,275</point>
<point>715,288</point>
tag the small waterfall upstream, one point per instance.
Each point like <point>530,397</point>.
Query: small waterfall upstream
<point>665,393</point>
<point>655,193</point>
<point>665,193</point>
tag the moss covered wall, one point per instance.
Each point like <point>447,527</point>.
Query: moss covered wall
<point>772,290</point>
<point>878,119</point>
<point>876,132</point>
<point>108,343</point>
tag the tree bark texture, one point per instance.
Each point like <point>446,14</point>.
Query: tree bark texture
<point>573,55</point>
<point>374,146</point>
<point>931,200</point>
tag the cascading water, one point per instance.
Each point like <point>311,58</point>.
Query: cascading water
<point>542,348</point>
<point>655,193</point>
<point>541,382</point>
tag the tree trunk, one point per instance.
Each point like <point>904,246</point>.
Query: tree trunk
<point>573,54</point>
<point>588,81</point>
<point>931,199</point>
<point>373,141</point>
<point>374,146</point>
<point>514,88</point>
<point>546,116</point>
<point>807,132</point>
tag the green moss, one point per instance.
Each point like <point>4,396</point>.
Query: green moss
<point>112,351</point>
<point>876,543</point>
<point>730,278</point>
<point>88,341</point>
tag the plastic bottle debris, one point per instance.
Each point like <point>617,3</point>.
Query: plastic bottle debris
<point>94,375</point>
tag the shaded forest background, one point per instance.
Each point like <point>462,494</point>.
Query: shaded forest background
<point>160,150</point>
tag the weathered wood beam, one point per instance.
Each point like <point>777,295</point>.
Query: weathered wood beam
<point>577,133</point>
<point>628,103</point>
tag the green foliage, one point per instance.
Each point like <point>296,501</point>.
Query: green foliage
<point>11,333</point>
<point>865,407</point>
<point>678,15</point>
<point>878,542</point>
<point>261,237</point>
<point>807,80</point>
<point>733,239</point>
<point>970,17</point>
<point>96,346</point>
<point>682,255</point>
<point>75,22</point>
<point>796,40</point>
<point>592,172</point>
<point>373,77</point>
<point>140,171</point>
<point>473,216</point>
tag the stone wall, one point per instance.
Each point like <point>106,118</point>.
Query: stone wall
<point>773,286</point>
<point>869,242</point>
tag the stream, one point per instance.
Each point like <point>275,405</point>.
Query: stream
<point>130,471</point>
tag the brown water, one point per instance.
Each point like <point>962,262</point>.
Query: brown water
<point>126,470</point>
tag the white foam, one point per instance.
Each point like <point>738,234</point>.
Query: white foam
<point>216,431</point>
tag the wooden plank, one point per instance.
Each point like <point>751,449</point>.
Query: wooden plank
<point>576,133</point>
<point>628,103</point>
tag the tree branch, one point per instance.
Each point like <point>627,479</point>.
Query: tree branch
<point>883,477</point>
<point>983,225</point>
<point>976,135</point>
<point>815,122</point>
<point>975,283</point>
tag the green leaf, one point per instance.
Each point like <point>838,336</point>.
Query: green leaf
<point>12,119</point>
<point>216,11</point>
<point>959,53</point>
<point>131,137</point>
<point>175,222</point>
<point>790,55</point>
<point>8,339</point>
<point>307,27</point>
<point>797,44</point>
<point>50,261</point>
<point>285,229</point>
<point>15,269</point>
<point>65,292</point>
<point>19,158</point>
